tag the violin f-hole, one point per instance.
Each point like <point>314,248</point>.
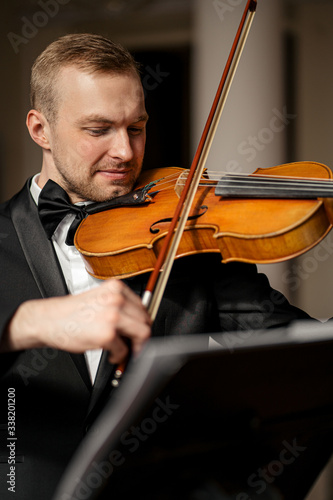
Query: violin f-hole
<point>153,230</point>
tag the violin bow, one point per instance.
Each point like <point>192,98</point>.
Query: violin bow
<point>158,280</point>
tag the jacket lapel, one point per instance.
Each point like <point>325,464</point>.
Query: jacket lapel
<point>41,257</point>
<point>102,387</point>
<point>38,250</point>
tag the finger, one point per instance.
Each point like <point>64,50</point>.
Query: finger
<point>118,351</point>
<point>129,304</point>
<point>126,315</point>
<point>132,328</point>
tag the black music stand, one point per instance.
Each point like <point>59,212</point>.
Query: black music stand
<point>239,416</point>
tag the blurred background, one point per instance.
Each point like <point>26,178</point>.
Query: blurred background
<point>279,109</point>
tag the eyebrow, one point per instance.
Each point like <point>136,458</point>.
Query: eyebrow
<point>102,119</point>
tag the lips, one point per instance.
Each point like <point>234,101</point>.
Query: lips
<point>114,173</point>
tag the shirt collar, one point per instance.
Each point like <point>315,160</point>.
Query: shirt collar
<point>35,191</point>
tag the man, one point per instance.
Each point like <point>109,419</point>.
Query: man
<point>93,145</point>
<point>63,331</point>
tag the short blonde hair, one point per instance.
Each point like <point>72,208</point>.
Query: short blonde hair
<point>89,52</point>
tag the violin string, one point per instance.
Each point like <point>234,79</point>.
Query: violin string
<point>275,183</point>
<point>169,181</point>
<point>276,180</point>
<point>240,179</point>
<point>305,185</point>
<point>259,178</point>
<point>216,174</point>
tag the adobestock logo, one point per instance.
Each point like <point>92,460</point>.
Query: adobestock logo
<point>260,480</point>
<point>153,78</point>
<point>30,27</point>
<point>276,125</point>
<point>225,7</point>
<point>132,439</point>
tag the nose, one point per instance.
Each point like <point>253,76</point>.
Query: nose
<point>120,147</point>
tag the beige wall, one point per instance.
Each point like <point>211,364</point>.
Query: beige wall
<point>314,139</point>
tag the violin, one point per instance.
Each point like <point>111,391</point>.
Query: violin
<point>269,216</point>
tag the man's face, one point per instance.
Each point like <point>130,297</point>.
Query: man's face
<point>98,139</point>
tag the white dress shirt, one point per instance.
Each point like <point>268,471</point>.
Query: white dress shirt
<point>77,278</point>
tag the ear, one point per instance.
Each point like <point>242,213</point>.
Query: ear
<point>38,128</point>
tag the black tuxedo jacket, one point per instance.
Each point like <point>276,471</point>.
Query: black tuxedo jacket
<point>47,402</point>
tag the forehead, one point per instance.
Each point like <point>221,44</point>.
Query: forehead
<point>81,92</point>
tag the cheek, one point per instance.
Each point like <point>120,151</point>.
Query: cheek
<point>83,149</point>
<point>139,147</point>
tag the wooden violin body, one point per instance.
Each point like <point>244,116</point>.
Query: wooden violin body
<point>125,241</point>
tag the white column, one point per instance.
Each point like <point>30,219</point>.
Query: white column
<point>252,129</point>
<point>248,136</point>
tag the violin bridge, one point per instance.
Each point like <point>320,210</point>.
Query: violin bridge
<point>180,183</point>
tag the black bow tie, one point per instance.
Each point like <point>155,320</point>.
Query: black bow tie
<point>54,204</point>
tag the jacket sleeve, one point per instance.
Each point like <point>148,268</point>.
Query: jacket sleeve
<point>16,283</point>
<point>245,300</point>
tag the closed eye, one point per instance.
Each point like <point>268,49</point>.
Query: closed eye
<point>97,131</point>
<point>136,130</point>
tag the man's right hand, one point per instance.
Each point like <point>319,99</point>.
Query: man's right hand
<point>100,318</point>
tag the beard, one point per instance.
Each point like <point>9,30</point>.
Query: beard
<point>84,185</point>
<point>87,190</point>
